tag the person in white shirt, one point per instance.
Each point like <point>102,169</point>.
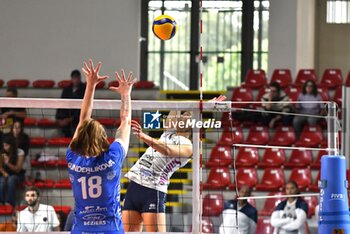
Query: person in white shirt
<point>37,217</point>
<point>247,215</point>
<point>290,215</point>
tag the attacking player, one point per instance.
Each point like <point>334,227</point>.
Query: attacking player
<point>94,164</point>
<point>150,176</point>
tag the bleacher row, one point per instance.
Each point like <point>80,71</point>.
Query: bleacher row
<point>329,88</point>
<point>45,84</point>
<point>331,78</point>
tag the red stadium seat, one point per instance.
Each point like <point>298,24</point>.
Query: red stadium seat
<point>62,163</point>
<point>312,203</point>
<point>299,158</point>
<point>144,84</point>
<point>347,83</point>
<point>111,140</point>
<point>114,83</point>
<point>226,137</point>
<point>273,158</point>
<point>271,203</point>
<point>260,95</point>
<point>247,157</point>
<point>225,121</point>
<point>293,92</point>
<point>282,76</point>
<point>245,176</point>
<point>49,163</point>
<point>332,78</point>
<point>305,75</point>
<point>213,204</point>
<point>18,83</point>
<point>207,225</point>
<point>37,141</point>
<point>317,163</point>
<point>6,210</point>
<point>218,178</point>
<point>64,83</point>
<point>220,156</point>
<point>264,226</point>
<point>29,121</point>
<point>59,141</point>
<point>43,84</point>
<point>311,136</point>
<point>63,184</point>
<point>323,91</point>
<point>64,209</point>
<point>302,177</point>
<point>258,135</point>
<point>1,83</point>
<point>314,186</point>
<point>338,98</point>
<point>45,184</point>
<point>284,136</point>
<point>255,79</point>
<point>45,122</point>
<point>100,85</point>
<point>272,180</point>
<point>242,94</point>
<point>106,122</point>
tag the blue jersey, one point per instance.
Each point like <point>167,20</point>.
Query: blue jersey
<point>96,187</point>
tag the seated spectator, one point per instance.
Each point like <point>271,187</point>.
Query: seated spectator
<point>23,143</point>
<point>10,226</point>
<point>277,95</point>
<point>68,119</point>
<point>62,218</point>
<point>37,217</point>
<point>11,170</point>
<point>247,215</point>
<point>8,114</point>
<point>290,215</point>
<point>309,94</point>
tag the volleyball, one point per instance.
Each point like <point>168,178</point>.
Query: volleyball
<point>164,27</point>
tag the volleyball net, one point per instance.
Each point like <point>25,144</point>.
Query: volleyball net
<point>229,155</point>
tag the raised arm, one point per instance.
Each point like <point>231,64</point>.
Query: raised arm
<point>161,147</point>
<point>124,89</point>
<point>92,79</point>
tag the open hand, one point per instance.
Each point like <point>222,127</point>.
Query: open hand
<point>125,84</point>
<point>91,74</point>
<point>136,129</point>
<point>221,98</point>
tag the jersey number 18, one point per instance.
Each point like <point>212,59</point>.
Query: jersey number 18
<point>93,188</point>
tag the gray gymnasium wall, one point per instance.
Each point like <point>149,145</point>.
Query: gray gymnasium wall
<point>332,44</point>
<point>46,39</point>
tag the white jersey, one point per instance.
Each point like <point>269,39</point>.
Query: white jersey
<point>153,169</point>
<point>43,220</point>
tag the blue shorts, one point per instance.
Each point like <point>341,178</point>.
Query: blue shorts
<point>143,199</point>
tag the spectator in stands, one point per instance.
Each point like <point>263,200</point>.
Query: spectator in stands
<point>8,114</point>
<point>281,104</point>
<point>247,215</point>
<point>37,217</point>
<point>62,218</point>
<point>23,142</point>
<point>290,215</point>
<point>10,226</point>
<point>308,94</point>
<point>11,170</point>
<point>67,119</point>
